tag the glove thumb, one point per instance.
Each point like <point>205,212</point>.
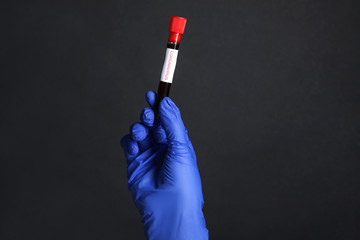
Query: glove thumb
<point>171,121</point>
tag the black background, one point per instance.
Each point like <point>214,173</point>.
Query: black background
<point>269,91</point>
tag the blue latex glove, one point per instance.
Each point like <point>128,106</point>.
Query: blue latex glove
<point>163,177</point>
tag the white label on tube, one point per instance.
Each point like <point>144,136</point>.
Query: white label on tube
<point>169,65</point>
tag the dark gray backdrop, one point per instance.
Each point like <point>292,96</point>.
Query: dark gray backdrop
<point>269,91</point>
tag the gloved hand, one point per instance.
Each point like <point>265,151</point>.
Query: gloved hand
<point>163,177</point>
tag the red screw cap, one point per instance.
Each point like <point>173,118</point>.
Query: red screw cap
<point>177,24</point>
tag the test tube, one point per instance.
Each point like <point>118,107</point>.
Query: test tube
<point>176,29</point>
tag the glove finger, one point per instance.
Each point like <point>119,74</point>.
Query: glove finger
<point>171,121</point>
<point>140,134</point>
<point>151,98</point>
<point>158,133</point>
<point>130,147</point>
<point>144,163</point>
<point>147,117</point>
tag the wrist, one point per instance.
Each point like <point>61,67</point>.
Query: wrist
<point>183,227</point>
<point>175,219</point>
